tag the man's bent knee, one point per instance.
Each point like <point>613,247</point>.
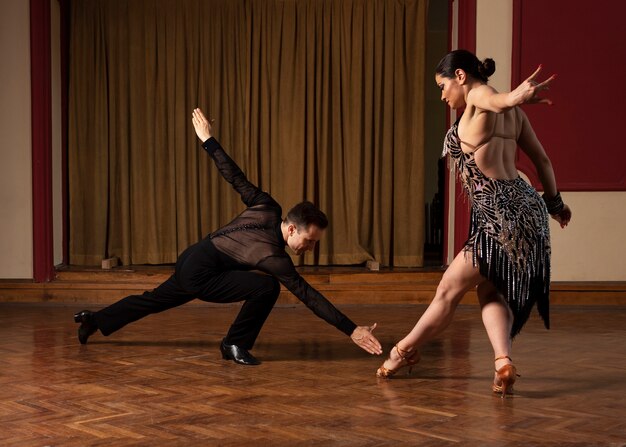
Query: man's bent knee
<point>270,286</point>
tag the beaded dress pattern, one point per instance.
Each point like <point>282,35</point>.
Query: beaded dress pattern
<point>509,236</point>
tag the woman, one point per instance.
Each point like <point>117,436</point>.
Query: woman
<point>507,255</point>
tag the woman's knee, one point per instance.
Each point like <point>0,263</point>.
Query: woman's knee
<point>449,291</point>
<point>460,277</point>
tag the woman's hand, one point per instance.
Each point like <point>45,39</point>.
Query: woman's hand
<point>527,92</point>
<point>563,217</point>
<point>201,125</point>
<point>362,337</point>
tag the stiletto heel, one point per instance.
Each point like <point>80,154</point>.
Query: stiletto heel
<point>405,360</point>
<point>506,375</point>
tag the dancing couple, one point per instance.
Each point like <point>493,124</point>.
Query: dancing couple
<point>506,257</point>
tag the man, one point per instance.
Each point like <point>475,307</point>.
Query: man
<point>217,269</point>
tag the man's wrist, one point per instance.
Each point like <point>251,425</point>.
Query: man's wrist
<point>355,336</point>
<point>211,145</point>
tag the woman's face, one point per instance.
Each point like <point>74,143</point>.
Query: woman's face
<point>451,91</point>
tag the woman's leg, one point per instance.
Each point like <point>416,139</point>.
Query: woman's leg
<point>460,277</point>
<point>498,320</point>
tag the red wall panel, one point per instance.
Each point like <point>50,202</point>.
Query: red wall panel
<point>583,131</point>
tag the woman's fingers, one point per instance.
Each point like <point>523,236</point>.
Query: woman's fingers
<point>531,78</point>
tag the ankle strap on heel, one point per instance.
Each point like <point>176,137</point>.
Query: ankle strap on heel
<point>402,352</point>
<point>509,365</point>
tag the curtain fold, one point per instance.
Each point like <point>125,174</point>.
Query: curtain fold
<point>317,100</point>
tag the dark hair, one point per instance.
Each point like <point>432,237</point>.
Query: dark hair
<point>305,213</point>
<point>467,62</point>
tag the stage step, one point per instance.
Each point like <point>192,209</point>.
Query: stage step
<point>354,285</point>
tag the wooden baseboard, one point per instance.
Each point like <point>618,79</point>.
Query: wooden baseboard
<point>342,285</point>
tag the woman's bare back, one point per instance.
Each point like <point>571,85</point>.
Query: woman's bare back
<point>492,137</point>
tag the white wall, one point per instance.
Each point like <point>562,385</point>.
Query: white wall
<point>494,38</point>
<point>16,234</point>
<point>16,218</point>
<point>590,248</point>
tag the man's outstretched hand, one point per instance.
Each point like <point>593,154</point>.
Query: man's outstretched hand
<point>201,125</point>
<point>362,336</point>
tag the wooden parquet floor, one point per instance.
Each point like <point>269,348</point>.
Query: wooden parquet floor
<point>161,381</point>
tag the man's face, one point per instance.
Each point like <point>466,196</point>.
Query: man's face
<point>301,240</point>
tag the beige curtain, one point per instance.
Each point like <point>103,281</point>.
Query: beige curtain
<point>315,99</point>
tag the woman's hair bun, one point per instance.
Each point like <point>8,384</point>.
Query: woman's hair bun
<point>487,67</point>
<point>467,62</point>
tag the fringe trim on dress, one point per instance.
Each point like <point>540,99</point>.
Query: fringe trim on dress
<point>522,287</point>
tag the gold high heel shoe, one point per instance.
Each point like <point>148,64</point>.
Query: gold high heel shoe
<point>506,375</point>
<point>405,360</point>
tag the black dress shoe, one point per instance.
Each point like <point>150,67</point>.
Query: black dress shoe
<point>88,325</point>
<point>237,355</point>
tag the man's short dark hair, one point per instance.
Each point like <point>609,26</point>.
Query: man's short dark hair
<point>304,214</point>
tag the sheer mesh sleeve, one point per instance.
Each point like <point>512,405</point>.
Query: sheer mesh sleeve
<point>283,269</point>
<point>250,194</point>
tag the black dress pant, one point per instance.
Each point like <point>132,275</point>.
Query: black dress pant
<point>259,291</point>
